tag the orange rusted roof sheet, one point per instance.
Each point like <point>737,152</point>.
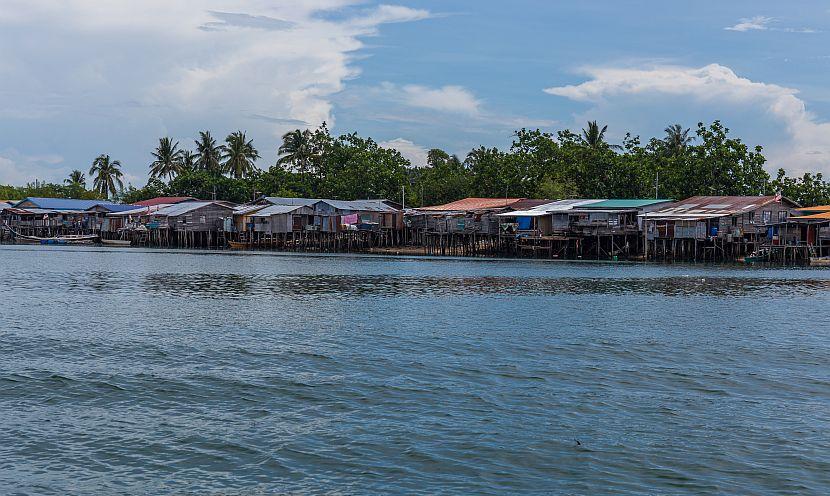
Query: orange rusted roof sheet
<point>474,204</point>
<point>818,216</point>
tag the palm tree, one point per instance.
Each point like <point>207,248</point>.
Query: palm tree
<point>296,150</point>
<point>189,160</point>
<point>209,153</point>
<point>107,175</point>
<point>76,178</point>
<point>676,139</point>
<point>168,159</point>
<point>594,137</point>
<point>239,155</point>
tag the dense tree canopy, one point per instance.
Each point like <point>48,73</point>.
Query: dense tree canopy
<point>538,164</point>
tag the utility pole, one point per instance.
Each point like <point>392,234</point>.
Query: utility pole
<point>403,197</point>
<point>657,186</point>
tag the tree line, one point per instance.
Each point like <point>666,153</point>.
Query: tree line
<point>538,164</point>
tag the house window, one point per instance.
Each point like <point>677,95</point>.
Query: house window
<point>751,217</point>
<point>782,216</point>
<point>734,221</point>
<point>201,219</point>
<point>767,216</point>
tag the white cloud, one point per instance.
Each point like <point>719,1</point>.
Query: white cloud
<point>416,154</point>
<point>756,23</point>
<point>128,72</point>
<point>449,99</point>
<point>17,168</point>
<point>807,139</point>
<point>763,23</point>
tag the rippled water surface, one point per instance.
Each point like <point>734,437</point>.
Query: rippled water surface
<point>154,372</point>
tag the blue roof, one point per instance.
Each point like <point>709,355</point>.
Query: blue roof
<point>68,204</point>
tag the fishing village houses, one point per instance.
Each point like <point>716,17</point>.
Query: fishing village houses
<point>703,228</point>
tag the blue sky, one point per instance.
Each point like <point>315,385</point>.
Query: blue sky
<point>82,77</point>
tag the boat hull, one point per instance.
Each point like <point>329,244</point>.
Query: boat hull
<point>116,242</point>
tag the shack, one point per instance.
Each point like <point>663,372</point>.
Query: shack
<point>719,227</point>
<point>282,219</point>
<point>813,224</point>
<point>58,216</point>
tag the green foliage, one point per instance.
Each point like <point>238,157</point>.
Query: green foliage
<point>807,190</point>
<point>239,155</point>
<point>155,187</point>
<point>207,186</point>
<point>209,154</point>
<point>314,164</point>
<point>107,175</point>
<point>167,159</point>
<point>47,190</point>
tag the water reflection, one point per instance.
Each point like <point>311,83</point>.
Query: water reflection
<point>354,286</point>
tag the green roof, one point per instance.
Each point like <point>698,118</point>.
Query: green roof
<point>636,203</point>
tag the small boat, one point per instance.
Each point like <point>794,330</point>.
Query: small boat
<point>237,245</point>
<point>69,239</point>
<point>79,239</point>
<point>759,256</point>
<point>116,242</point>
<point>819,261</point>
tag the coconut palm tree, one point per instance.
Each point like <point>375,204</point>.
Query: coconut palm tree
<point>594,137</point>
<point>189,161</point>
<point>107,174</point>
<point>209,153</point>
<point>296,150</point>
<point>168,159</point>
<point>239,155</point>
<point>676,139</point>
<point>76,178</point>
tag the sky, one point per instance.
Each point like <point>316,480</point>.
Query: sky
<point>83,77</point>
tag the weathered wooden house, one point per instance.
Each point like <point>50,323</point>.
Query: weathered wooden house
<point>356,215</point>
<point>55,216</point>
<point>813,224</point>
<point>282,219</point>
<point>194,216</point>
<point>470,215</point>
<point>719,227</point>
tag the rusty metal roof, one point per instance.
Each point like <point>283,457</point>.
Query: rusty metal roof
<point>707,207</point>
<point>476,204</point>
<point>819,216</point>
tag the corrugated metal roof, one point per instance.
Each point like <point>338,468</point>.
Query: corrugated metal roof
<point>279,200</point>
<point>473,204</point>
<point>183,208</point>
<point>626,203</point>
<point>277,210</point>
<point>818,216</point>
<point>113,207</point>
<point>361,205</point>
<point>164,200</point>
<point>707,207</point>
<point>565,205</point>
<point>816,209</point>
<point>247,209</point>
<point>63,203</point>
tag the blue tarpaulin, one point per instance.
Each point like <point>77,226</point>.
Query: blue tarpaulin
<point>524,223</point>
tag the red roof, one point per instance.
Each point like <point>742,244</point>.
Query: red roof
<point>161,200</point>
<point>471,204</point>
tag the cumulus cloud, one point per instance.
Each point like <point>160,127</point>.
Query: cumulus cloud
<point>120,74</point>
<point>416,154</point>
<point>763,23</point>
<point>756,23</point>
<point>446,98</point>
<point>808,139</point>
<point>20,169</point>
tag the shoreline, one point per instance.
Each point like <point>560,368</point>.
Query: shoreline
<point>406,253</point>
